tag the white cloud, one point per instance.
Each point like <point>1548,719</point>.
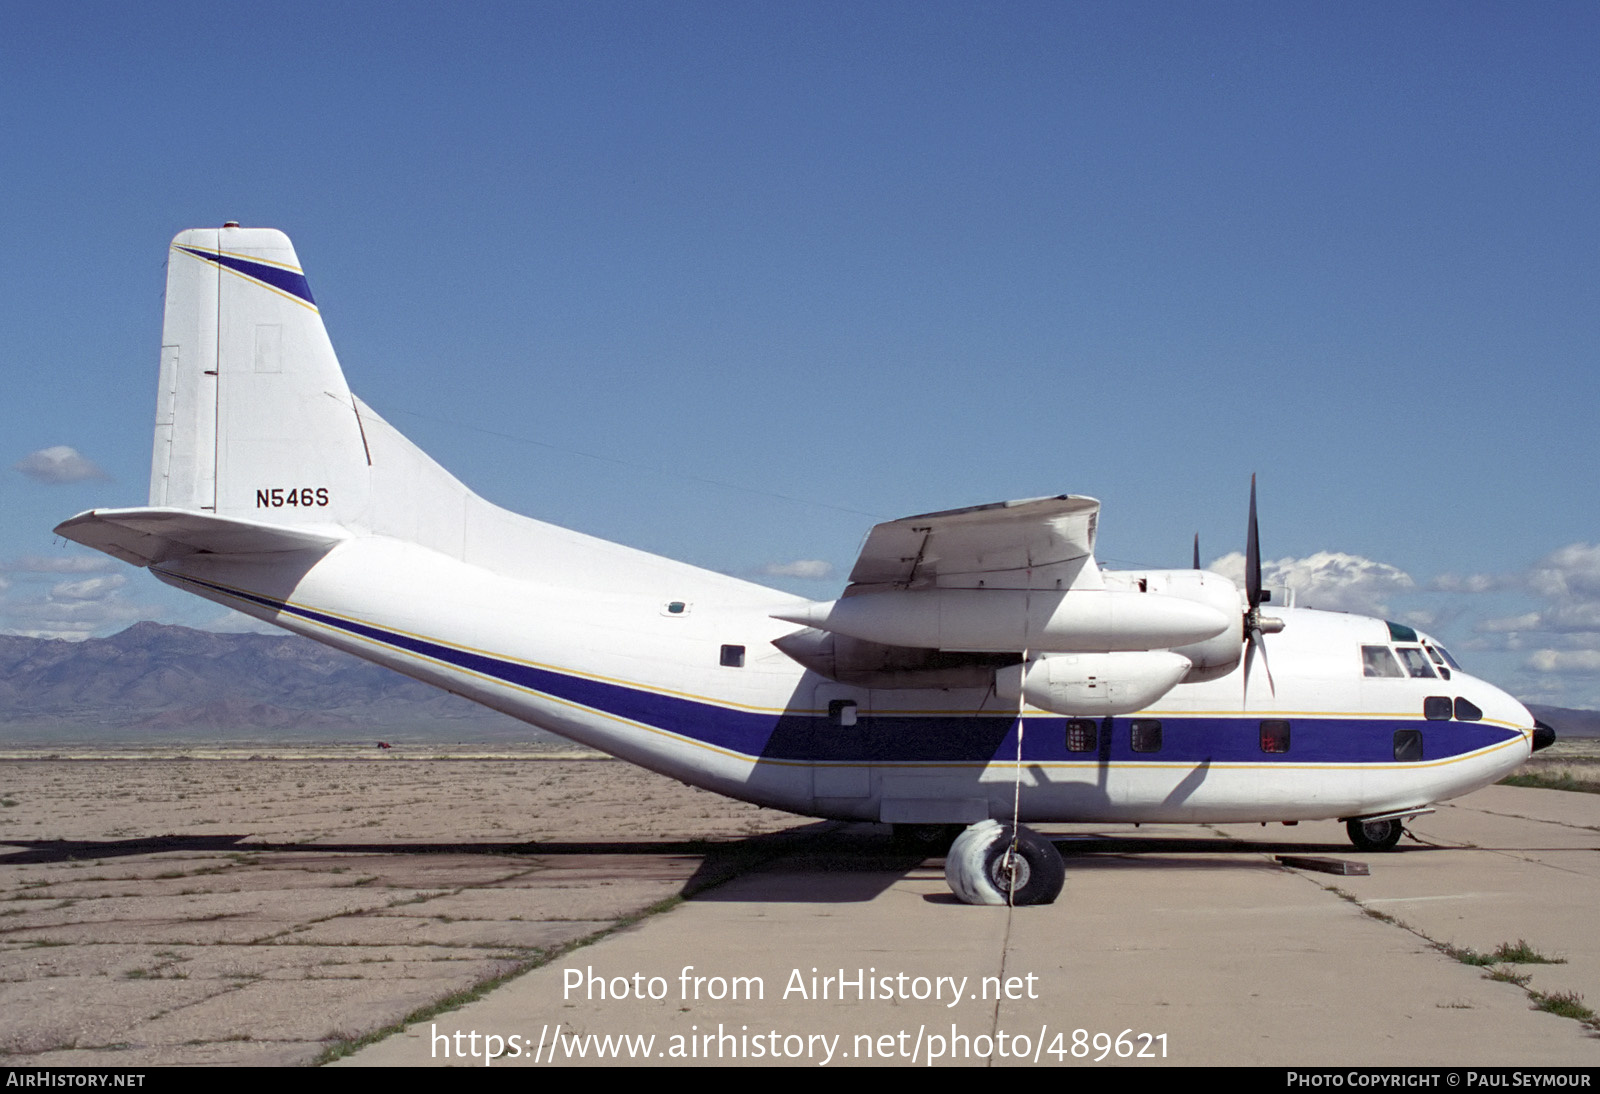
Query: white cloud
<point>812,569</point>
<point>65,564</point>
<point>1511,624</point>
<point>92,588</point>
<point>1472,583</point>
<point>76,608</point>
<point>1573,571</point>
<point>1328,579</point>
<point>232,622</point>
<point>1565,662</point>
<point>58,465</point>
<point>45,617</point>
<point>1568,580</point>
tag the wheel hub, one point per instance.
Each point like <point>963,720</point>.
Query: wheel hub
<point>1011,872</point>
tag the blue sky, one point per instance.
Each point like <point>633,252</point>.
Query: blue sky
<point>732,281</point>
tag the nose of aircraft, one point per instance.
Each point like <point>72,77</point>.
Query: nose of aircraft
<point>1543,735</point>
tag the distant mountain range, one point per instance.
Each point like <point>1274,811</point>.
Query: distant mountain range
<point>1567,722</point>
<point>154,681</point>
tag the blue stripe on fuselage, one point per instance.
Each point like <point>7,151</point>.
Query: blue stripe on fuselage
<point>799,735</point>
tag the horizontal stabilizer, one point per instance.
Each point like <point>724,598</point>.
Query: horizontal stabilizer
<point>153,535</point>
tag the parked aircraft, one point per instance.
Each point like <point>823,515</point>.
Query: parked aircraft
<point>981,670</point>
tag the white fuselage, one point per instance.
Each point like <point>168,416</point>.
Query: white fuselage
<point>638,671</point>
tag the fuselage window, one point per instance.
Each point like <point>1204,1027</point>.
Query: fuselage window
<point>1378,661</point>
<point>1146,735</point>
<point>1467,710</point>
<point>1437,708</point>
<point>1416,663</point>
<point>1082,735</point>
<point>1407,745</point>
<point>1275,736</point>
<point>733,657</point>
<point>842,712</point>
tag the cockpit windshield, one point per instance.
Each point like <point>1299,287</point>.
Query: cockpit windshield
<point>1425,661</point>
<point>1417,665</point>
<point>1378,661</point>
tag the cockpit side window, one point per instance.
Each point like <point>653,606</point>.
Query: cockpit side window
<point>1437,660</point>
<point>1378,661</point>
<point>1416,663</point>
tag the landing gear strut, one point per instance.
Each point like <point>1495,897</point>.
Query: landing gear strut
<point>1374,835</point>
<point>984,868</point>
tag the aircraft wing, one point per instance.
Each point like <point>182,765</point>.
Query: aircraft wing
<point>155,534</point>
<point>997,544</point>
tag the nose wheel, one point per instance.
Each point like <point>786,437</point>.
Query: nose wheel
<point>1375,835</point>
<point>992,863</point>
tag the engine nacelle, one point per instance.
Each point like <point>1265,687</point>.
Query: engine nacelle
<point>1092,684</point>
<point>1012,620</point>
<point>1214,657</point>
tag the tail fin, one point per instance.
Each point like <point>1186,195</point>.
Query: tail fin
<point>253,416</point>
<point>259,445</point>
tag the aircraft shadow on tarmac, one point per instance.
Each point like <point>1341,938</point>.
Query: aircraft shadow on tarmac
<point>824,862</point>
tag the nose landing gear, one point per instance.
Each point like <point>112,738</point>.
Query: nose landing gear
<point>1375,835</point>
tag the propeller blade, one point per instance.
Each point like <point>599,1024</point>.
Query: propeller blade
<point>1252,554</point>
<point>1197,550</point>
<point>1260,643</point>
<point>1246,657</point>
<point>1255,627</point>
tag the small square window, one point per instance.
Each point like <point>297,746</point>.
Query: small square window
<point>1408,745</point>
<point>1437,708</point>
<point>842,712</point>
<point>1082,735</point>
<point>1146,735</point>
<point>733,657</point>
<point>1274,736</point>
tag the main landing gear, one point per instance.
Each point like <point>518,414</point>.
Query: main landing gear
<point>993,863</point>
<point>1375,835</point>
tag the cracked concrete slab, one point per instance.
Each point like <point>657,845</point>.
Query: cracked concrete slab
<point>1193,935</point>
<point>245,911</point>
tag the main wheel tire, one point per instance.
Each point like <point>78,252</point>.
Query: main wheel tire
<point>983,868</point>
<point>1375,835</point>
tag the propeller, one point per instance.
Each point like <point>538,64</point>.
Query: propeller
<point>1255,627</point>
<point>1197,550</point>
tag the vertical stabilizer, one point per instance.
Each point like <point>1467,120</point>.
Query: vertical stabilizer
<point>253,416</point>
